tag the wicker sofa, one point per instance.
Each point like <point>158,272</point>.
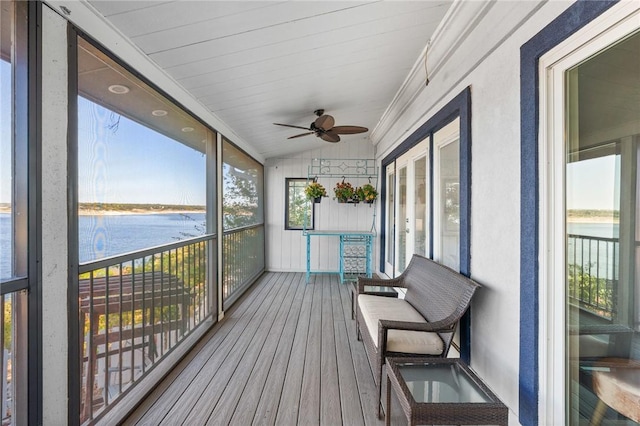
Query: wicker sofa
<point>421,324</point>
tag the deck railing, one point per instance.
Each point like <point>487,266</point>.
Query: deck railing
<point>242,260</point>
<point>592,264</point>
<point>135,309</point>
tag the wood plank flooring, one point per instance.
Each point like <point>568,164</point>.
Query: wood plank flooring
<point>286,354</point>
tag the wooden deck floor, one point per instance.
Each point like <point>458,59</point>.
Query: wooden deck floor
<point>286,354</point>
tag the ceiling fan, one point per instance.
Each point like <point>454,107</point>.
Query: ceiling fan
<point>323,127</point>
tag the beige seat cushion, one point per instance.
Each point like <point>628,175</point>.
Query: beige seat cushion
<point>374,308</point>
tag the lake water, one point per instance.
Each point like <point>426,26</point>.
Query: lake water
<point>594,256</point>
<point>103,236</point>
<point>597,229</point>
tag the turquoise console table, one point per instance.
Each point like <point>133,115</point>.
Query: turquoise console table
<point>355,253</point>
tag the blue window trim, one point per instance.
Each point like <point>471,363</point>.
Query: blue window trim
<point>460,106</point>
<point>575,17</point>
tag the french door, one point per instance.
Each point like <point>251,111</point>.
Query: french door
<point>411,217</point>
<point>590,211</point>
<point>409,203</point>
<point>446,187</point>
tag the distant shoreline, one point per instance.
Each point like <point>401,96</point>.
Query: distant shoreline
<point>90,212</point>
<point>595,219</point>
<point>593,216</point>
<point>90,209</point>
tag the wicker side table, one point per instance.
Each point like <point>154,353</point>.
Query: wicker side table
<point>442,391</point>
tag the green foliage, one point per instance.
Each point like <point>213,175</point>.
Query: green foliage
<point>343,191</point>
<point>298,208</point>
<point>241,203</point>
<point>594,293</point>
<point>315,190</point>
<point>367,193</point>
<point>183,263</point>
<point>8,321</point>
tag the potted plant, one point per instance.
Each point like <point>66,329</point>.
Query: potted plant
<point>367,193</point>
<point>344,191</point>
<point>315,191</point>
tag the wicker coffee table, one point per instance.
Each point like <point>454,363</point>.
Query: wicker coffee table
<point>441,391</point>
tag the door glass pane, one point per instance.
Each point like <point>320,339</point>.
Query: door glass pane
<point>449,205</point>
<point>298,212</point>
<point>14,328</point>
<point>6,142</point>
<point>602,256</point>
<point>391,219</point>
<point>421,224</point>
<point>403,220</point>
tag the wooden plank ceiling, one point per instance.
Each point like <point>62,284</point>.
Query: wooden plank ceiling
<point>253,63</point>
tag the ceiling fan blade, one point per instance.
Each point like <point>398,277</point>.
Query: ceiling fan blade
<point>300,135</point>
<point>291,125</point>
<point>324,122</point>
<point>330,136</point>
<point>349,130</point>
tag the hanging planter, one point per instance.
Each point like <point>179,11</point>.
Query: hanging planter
<point>343,191</point>
<point>367,193</point>
<point>315,191</point>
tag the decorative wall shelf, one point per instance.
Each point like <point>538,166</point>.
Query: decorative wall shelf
<point>348,168</point>
<point>356,247</point>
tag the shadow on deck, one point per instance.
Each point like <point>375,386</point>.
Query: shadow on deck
<point>285,354</point>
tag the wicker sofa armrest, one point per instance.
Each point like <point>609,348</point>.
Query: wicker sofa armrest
<point>442,326</point>
<point>384,326</point>
<point>392,282</point>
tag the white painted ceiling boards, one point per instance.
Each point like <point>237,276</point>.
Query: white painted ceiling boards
<point>253,63</point>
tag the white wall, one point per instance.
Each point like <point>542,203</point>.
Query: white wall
<point>286,250</point>
<point>482,50</point>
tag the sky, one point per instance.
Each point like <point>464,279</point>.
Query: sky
<point>137,165</point>
<point>133,164</point>
<point>5,132</point>
<point>130,165</point>
<point>591,183</point>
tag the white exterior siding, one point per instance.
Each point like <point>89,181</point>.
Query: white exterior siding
<point>486,58</point>
<point>286,249</point>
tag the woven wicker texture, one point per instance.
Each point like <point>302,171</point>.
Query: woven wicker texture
<point>439,293</point>
<point>491,412</point>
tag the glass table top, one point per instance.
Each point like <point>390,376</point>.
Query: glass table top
<point>379,288</point>
<point>376,288</point>
<point>441,383</point>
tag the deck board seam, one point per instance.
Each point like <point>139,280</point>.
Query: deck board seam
<point>217,335</point>
<point>278,322</point>
<point>244,323</point>
<point>284,342</point>
<point>243,348</point>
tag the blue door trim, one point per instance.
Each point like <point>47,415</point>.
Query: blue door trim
<point>460,106</point>
<point>575,17</point>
